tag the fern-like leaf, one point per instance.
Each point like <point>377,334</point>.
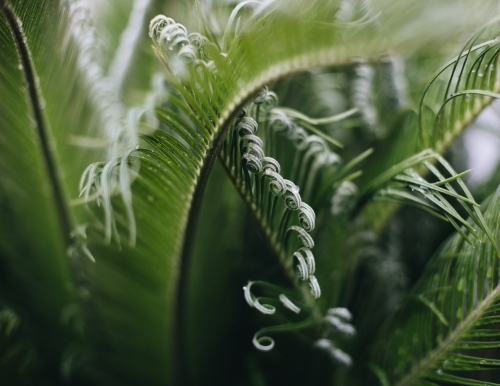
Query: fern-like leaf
<point>460,90</point>
<point>445,329</point>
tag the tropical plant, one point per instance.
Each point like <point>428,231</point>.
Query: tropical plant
<point>309,152</point>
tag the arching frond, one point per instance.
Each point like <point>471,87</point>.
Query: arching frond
<point>100,309</point>
<point>445,331</point>
<point>460,90</point>
<point>263,135</point>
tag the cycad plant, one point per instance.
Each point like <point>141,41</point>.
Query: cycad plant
<point>271,192</point>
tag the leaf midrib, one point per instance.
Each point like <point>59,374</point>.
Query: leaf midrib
<point>59,198</point>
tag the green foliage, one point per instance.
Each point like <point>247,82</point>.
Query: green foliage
<point>116,268</point>
<point>451,317</point>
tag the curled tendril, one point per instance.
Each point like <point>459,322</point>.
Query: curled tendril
<point>307,264</point>
<point>336,354</point>
<point>264,308</point>
<point>252,163</point>
<point>341,357</point>
<point>156,26</point>
<point>340,326</point>
<point>300,138</point>
<point>251,138</point>
<point>277,184</point>
<point>269,163</point>
<point>280,122</point>
<point>307,217</point>
<point>197,40</point>
<point>292,196</point>
<point>243,113</point>
<point>362,89</point>
<point>200,42</point>
<point>188,54</point>
<point>315,153</point>
<point>302,266</point>
<point>260,342</point>
<point>248,295</point>
<point>174,36</point>
<point>270,102</point>
<point>340,312</point>
<point>261,96</point>
<point>314,286</point>
<point>246,126</point>
<point>332,159</point>
<point>311,263</point>
<point>254,302</point>
<point>304,237</point>
<point>289,304</point>
<point>254,149</point>
<point>316,144</point>
<point>327,159</point>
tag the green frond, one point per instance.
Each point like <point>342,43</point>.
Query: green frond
<point>45,102</point>
<point>460,90</point>
<point>100,282</point>
<point>261,140</point>
<point>453,98</point>
<point>450,336</point>
<point>406,177</point>
<point>210,87</point>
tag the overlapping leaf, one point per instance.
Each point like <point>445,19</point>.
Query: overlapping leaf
<point>445,331</point>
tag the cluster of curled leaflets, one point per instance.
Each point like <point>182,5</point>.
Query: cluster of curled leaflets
<point>192,49</point>
<point>280,208</point>
<point>276,202</point>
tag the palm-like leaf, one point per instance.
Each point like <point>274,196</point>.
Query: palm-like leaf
<point>213,92</point>
<point>122,316</point>
<point>446,327</point>
<point>48,103</point>
<point>460,90</point>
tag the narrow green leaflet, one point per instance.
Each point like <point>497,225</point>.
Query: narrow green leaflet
<point>445,331</point>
